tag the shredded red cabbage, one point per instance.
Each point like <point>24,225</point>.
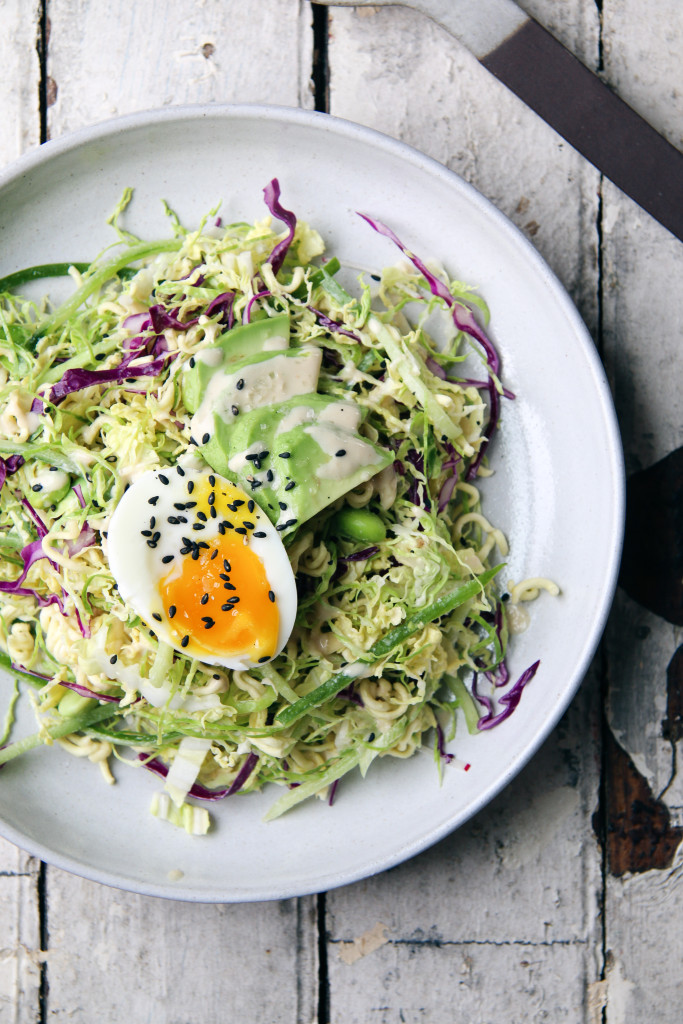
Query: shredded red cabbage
<point>79,495</point>
<point>246,315</point>
<point>360,556</point>
<point>83,691</point>
<point>9,466</point>
<point>463,317</point>
<point>77,379</point>
<point>332,325</point>
<point>271,195</point>
<point>441,745</point>
<point>162,319</point>
<point>509,700</point>
<point>197,790</point>
<point>223,304</point>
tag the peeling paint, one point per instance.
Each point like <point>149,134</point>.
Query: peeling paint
<point>368,942</point>
<point>638,833</point>
<point>612,994</point>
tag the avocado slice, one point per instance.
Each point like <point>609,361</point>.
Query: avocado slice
<point>266,378</point>
<point>237,346</point>
<point>295,456</point>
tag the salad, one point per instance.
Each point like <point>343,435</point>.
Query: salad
<point>241,536</point>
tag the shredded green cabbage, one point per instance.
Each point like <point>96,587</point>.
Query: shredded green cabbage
<point>66,625</point>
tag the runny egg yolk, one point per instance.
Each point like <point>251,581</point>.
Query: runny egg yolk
<point>222,600</point>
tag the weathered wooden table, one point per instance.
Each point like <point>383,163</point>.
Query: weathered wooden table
<point>563,900</point>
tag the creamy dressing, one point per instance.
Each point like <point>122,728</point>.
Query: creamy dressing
<point>342,414</point>
<point>210,356</point>
<point>51,480</point>
<point>357,454</point>
<point>264,383</point>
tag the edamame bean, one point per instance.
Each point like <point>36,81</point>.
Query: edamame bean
<point>359,524</point>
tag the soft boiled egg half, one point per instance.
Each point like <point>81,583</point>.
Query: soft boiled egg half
<point>203,566</point>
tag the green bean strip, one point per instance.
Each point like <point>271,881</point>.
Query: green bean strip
<point>64,728</point>
<point>386,644</point>
<point>20,277</point>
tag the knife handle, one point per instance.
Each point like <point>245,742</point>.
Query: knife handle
<point>600,125</point>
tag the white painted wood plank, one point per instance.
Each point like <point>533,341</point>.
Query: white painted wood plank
<point>462,983</point>
<point>20,958</point>
<point>107,59</point>
<point>396,71</point>
<point>19,79</point>
<point>114,956</point>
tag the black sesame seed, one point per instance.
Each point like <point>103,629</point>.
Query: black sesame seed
<point>152,523</point>
<point>235,410</point>
<point>203,544</point>
<point>180,471</point>
<point>167,558</point>
<point>130,380</point>
<point>206,438</point>
<point>171,611</point>
<point>238,502</point>
<point>145,533</point>
<point>156,616</point>
<point>214,514</point>
<point>193,441</point>
<point>281,527</point>
<point>198,526</point>
<point>226,565</point>
<point>241,530</point>
<point>271,595</point>
<point>156,536</point>
<point>290,486</point>
<point>251,504</point>
<point>190,487</point>
<point>224,576</point>
<point>180,505</point>
<point>269,476</point>
<point>212,480</point>
<point>153,501</point>
<point>260,533</point>
<point>208,623</point>
<point>164,479</point>
<point>114,658</point>
<point>212,498</point>
<point>111,458</point>
<point>195,554</point>
<point>100,356</point>
<point>185,641</point>
<point>173,520</point>
<point>190,504</point>
<point>283,505</point>
<point>247,524</point>
<point>201,516</point>
<point>240,384</point>
<point>285,455</point>
<point>151,544</point>
<point>192,362</point>
<point>340,453</point>
<point>261,660</point>
<point>255,484</point>
<point>221,529</point>
<point>291,522</point>
<point>204,599</point>
<point>182,519</point>
<point>253,456</point>
<point>37,487</point>
<point>227,525</point>
<point>229,586</point>
<point>214,554</point>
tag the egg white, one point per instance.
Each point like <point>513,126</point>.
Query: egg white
<point>143,546</point>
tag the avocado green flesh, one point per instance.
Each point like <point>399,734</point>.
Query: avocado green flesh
<point>236,347</point>
<point>306,466</point>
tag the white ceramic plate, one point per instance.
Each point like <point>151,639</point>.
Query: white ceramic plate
<point>557,491</point>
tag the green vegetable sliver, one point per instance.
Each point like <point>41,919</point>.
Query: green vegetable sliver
<point>20,277</point>
<point>64,728</point>
<point>100,277</point>
<point>394,638</point>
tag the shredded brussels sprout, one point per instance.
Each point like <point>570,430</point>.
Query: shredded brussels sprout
<point>397,611</point>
